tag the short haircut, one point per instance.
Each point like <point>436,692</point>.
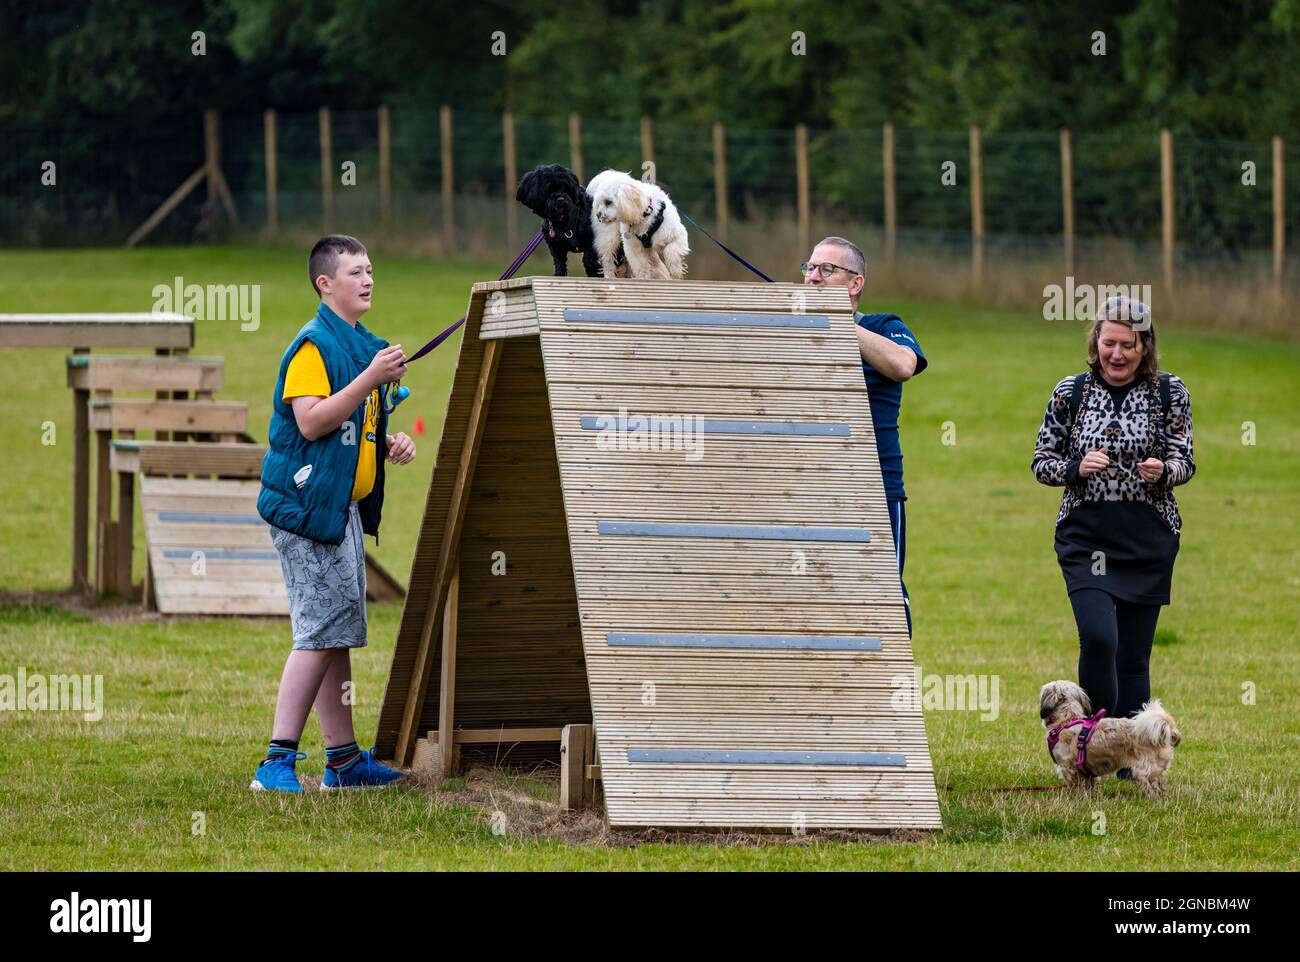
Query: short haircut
<point>324,257</point>
<point>857,261</point>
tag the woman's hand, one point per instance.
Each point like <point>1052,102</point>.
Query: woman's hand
<point>401,449</point>
<point>1152,470</point>
<point>1093,462</point>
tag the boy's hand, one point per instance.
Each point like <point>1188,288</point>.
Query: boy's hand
<point>388,365</point>
<point>401,449</point>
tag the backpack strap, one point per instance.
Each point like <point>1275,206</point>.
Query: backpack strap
<point>1164,394</point>
<point>1077,393</point>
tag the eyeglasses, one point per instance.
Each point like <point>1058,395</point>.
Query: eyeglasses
<point>826,269</point>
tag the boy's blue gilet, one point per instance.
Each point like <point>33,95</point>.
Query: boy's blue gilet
<point>316,505</point>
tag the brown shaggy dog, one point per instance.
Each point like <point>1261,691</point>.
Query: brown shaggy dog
<point>1144,743</point>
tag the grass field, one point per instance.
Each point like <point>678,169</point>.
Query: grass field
<point>189,703</point>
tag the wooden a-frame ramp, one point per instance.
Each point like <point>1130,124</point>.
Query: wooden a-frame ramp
<point>729,617</point>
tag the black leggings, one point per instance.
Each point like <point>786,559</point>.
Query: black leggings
<point>1114,650</point>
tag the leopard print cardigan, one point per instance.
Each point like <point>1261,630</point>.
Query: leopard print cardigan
<point>1129,435</point>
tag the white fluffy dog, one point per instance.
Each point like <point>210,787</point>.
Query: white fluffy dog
<point>639,219</point>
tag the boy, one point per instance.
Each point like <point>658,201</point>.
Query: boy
<point>322,487</point>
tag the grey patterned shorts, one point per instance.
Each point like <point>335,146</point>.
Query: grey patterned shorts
<point>326,585</point>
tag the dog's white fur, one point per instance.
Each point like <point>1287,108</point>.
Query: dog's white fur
<point>618,216</point>
<point>1144,743</point>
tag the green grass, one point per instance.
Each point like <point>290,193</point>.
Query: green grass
<point>189,702</point>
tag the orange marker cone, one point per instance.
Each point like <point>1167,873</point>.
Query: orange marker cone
<point>419,426</point>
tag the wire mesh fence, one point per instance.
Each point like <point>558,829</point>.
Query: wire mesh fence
<point>437,182</point>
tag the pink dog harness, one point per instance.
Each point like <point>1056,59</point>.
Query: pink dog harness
<point>1085,736</point>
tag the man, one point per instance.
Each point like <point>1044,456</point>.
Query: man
<point>890,356</point>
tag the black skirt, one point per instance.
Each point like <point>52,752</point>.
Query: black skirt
<point>1137,548</point>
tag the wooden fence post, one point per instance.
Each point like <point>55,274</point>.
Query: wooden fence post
<point>1279,213</point>
<point>976,205</point>
<point>1067,198</point>
<point>891,198</point>
<point>512,178</point>
<point>385,170</point>
<point>648,146</point>
<point>801,176</point>
<point>272,173</point>
<point>575,146</point>
<point>1167,206</point>
<point>211,149</point>
<point>326,168</point>
<point>217,186</point>
<point>448,182</point>
<point>720,179</point>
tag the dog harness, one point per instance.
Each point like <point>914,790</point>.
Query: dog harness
<point>647,238</point>
<point>568,236</point>
<point>1085,736</point>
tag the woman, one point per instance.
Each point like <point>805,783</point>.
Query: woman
<point>1119,438</point>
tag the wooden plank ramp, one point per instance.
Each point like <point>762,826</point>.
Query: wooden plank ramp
<point>210,553</point>
<point>684,479</point>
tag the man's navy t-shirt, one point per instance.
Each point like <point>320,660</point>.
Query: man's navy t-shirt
<point>886,397</point>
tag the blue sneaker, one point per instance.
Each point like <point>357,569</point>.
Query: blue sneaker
<point>277,774</point>
<point>367,773</point>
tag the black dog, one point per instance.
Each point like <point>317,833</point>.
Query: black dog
<point>553,193</point>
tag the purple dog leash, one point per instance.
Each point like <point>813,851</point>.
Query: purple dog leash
<point>1085,736</point>
<point>517,263</point>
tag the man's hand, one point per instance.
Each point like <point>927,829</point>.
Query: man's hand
<point>387,366</point>
<point>1152,470</point>
<point>401,449</point>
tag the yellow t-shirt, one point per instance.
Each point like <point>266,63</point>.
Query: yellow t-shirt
<point>306,377</point>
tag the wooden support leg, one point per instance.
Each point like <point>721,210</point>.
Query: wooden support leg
<point>162,395</point>
<point>106,559</point>
<point>448,553</point>
<point>576,753</point>
<point>447,691</point>
<point>104,573</point>
<point>147,600</point>
<point>593,786</point>
<point>180,396</point>
<point>80,487</point>
<point>125,530</point>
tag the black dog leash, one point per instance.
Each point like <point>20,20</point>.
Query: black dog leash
<point>726,248</point>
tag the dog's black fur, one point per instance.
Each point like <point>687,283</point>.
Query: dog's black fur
<point>553,193</point>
